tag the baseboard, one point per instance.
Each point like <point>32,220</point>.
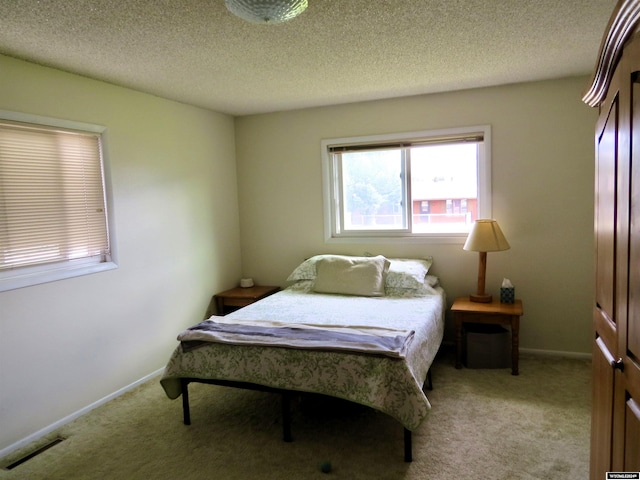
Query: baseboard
<point>69,418</point>
<point>451,345</point>
<point>555,353</point>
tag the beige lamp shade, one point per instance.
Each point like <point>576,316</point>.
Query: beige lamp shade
<point>486,236</point>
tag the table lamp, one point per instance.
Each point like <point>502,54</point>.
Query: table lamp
<point>485,236</point>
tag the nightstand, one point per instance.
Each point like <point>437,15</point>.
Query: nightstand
<point>230,300</point>
<point>466,311</point>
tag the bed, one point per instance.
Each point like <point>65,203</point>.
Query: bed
<point>363,329</point>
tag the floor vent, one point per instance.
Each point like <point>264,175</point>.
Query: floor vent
<point>29,456</point>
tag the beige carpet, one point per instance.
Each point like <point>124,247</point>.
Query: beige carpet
<point>483,424</point>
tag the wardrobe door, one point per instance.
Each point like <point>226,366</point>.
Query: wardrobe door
<point>626,437</point>
<point>605,312</point>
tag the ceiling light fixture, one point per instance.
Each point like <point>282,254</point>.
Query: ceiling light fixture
<point>266,11</point>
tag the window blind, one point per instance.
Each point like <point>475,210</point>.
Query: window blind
<point>52,201</point>
<point>404,144</point>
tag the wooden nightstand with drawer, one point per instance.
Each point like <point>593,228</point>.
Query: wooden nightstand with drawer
<point>230,300</point>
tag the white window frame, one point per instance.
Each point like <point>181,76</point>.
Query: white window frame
<point>34,275</point>
<point>331,187</point>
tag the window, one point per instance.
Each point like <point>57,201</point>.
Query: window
<point>53,208</point>
<point>422,185</point>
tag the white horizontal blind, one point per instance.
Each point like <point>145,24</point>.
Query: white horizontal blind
<point>52,201</point>
<point>417,142</point>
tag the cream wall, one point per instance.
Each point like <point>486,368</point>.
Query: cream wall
<point>183,216</point>
<point>67,344</point>
<point>542,179</point>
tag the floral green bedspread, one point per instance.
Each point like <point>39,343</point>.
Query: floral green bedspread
<point>390,385</point>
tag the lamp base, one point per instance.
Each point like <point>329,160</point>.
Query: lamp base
<point>481,298</point>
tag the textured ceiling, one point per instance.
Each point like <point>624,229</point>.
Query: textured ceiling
<point>337,51</point>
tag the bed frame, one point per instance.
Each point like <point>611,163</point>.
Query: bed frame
<point>286,405</point>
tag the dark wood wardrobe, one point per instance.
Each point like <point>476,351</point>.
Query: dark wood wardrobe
<point>615,91</point>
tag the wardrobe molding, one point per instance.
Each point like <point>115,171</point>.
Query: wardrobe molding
<point>622,24</point>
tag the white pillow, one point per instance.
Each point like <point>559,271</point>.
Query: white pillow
<point>363,276</point>
<point>307,269</point>
<point>408,273</point>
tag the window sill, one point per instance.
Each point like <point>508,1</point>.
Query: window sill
<point>424,240</point>
<point>41,275</point>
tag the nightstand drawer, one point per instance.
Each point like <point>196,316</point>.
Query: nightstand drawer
<point>238,302</point>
